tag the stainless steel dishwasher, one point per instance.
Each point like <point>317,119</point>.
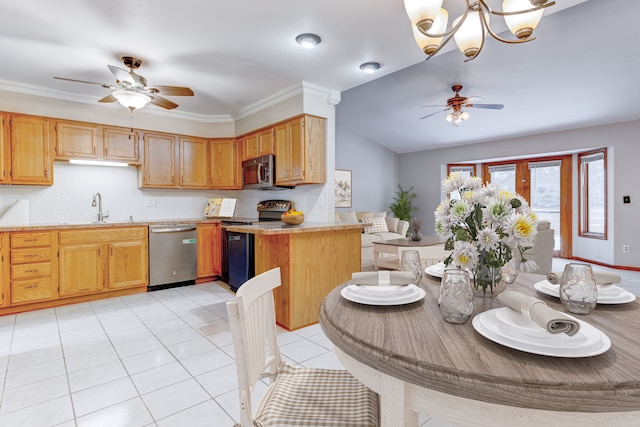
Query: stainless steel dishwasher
<point>173,256</point>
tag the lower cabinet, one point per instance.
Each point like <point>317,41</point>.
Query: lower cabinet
<point>209,250</point>
<point>93,261</point>
<point>32,270</point>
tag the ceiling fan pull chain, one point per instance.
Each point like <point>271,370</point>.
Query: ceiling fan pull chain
<point>130,121</point>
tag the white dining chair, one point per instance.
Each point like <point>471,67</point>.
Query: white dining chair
<point>296,396</point>
<point>429,255</point>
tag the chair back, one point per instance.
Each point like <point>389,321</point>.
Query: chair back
<point>429,255</point>
<point>253,329</point>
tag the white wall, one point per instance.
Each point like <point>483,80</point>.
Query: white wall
<point>425,171</point>
<point>375,170</point>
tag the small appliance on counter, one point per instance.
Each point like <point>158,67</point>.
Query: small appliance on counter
<point>237,251</point>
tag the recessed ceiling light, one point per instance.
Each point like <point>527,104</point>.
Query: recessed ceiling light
<point>370,67</point>
<point>308,40</point>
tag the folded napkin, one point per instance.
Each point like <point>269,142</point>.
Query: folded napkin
<point>547,318</point>
<point>602,277</point>
<point>383,277</point>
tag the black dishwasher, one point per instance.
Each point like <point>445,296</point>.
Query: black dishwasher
<point>238,261</point>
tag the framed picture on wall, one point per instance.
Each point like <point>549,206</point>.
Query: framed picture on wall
<point>343,189</point>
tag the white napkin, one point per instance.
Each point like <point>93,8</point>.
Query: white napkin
<point>602,277</point>
<point>383,277</point>
<point>547,318</point>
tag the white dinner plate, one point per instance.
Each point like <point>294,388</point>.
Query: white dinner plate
<point>610,294</point>
<point>383,295</point>
<point>435,270</point>
<point>511,329</point>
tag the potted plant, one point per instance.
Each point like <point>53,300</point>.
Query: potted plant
<point>402,205</point>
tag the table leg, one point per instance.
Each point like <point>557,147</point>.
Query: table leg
<point>393,410</point>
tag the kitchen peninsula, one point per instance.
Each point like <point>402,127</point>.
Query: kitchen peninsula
<point>313,258</point>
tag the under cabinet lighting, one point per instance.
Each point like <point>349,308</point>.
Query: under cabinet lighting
<point>97,163</point>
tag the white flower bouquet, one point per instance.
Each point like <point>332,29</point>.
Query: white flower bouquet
<point>484,227</point>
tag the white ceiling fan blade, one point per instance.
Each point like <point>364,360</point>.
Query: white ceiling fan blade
<point>487,106</point>
<point>122,75</point>
<point>433,114</point>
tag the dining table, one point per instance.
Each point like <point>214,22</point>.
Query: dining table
<point>418,362</point>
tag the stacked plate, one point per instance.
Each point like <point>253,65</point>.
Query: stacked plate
<point>435,270</point>
<point>609,294</point>
<point>511,329</point>
<point>383,295</point>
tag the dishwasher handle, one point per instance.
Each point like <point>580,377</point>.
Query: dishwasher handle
<point>171,228</point>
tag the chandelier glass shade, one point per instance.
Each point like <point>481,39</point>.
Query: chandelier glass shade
<point>131,100</point>
<point>429,22</point>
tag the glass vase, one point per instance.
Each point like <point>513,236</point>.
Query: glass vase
<point>488,281</point>
<point>416,235</point>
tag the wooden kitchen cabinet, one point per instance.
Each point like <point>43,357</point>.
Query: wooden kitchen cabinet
<point>76,140</point>
<point>30,161</point>
<point>121,145</point>
<point>194,162</point>
<point>79,140</point>
<point>225,164</point>
<point>159,161</point>
<point>5,146</point>
<point>96,261</point>
<point>209,240</point>
<point>301,151</point>
<point>258,143</point>
<point>33,273</point>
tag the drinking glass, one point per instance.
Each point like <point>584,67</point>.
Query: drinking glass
<point>456,296</point>
<point>578,290</point>
<point>510,270</point>
<point>410,261</point>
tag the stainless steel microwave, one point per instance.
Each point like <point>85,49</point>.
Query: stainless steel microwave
<point>259,172</point>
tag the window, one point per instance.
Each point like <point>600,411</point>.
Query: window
<point>464,170</point>
<point>592,174</point>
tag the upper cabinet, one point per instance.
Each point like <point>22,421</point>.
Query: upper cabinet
<point>194,162</point>
<point>78,140</point>
<point>171,161</point>
<point>121,145</point>
<point>159,161</point>
<point>300,146</point>
<point>29,160</point>
<point>225,164</point>
<point>5,155</point>
<point>259,143</point>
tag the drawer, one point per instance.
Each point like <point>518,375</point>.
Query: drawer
<point>26,271</point>
<point>31,239</point>
<point>31,290</point>
<point>73,237</point>
<point>21,256</point>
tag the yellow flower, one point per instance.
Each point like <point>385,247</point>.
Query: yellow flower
<point>523,227</point>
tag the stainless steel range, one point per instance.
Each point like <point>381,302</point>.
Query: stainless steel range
<point>237,252</point>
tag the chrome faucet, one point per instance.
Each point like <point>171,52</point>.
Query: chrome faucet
<point>101,216</point>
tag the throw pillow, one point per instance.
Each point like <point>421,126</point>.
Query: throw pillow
<point>392,224</point>
<point>361,215</point>
<point>348,216</point>
<point>377,225</point>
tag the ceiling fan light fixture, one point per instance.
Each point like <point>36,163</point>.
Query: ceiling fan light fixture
<point>308,40</point>
<point>131,100</point>
<point>370,67</point>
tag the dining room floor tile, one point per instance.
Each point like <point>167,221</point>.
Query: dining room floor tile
<point>162,359</point>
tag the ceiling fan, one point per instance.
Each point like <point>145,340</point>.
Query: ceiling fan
<point>457,102</point>
<point>131,89</point>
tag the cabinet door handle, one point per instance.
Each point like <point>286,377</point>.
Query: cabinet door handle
<point>31,286</point>
<point>31,271</point>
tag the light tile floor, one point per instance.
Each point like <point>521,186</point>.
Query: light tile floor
<point>162,358</point>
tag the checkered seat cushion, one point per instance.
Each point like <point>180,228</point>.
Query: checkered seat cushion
<point>304,397</point>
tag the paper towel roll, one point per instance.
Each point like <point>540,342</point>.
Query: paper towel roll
<point>17,214</point>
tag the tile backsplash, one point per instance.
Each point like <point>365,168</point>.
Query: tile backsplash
<point>69,199</point>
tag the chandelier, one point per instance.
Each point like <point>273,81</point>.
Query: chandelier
<point>429,21</point>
